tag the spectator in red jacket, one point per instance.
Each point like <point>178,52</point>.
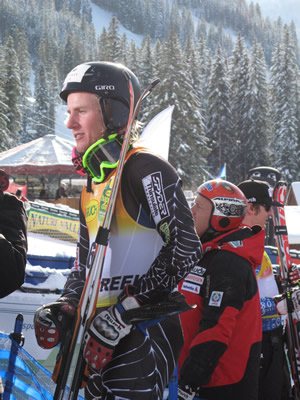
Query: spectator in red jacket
<point>221,354</point>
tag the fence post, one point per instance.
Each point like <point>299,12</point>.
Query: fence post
<point>16,338</point>
<point>173,386</point>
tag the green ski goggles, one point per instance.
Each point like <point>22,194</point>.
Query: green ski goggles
<point>102,157</point>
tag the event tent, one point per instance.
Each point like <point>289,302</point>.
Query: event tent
<point>49,154</point>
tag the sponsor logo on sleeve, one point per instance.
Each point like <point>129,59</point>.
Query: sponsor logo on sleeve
<point>198,270</point>
<point>195,279</point>
<point>190,287</point>
<point>154,191</point>
<point>215,299</point>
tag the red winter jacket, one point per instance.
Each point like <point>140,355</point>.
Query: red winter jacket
<point>227,321</point>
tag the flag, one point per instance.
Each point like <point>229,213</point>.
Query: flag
<point>156,135</point>
<point>222,174</point>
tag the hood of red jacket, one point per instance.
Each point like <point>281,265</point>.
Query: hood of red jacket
<point>245,241</point>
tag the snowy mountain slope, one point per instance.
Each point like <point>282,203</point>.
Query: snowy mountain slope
<point>288,10</point>
<point>101,19</point>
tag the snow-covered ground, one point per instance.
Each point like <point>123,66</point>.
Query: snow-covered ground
<point>47,246</point>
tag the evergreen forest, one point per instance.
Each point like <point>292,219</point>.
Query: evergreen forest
<point>232,75</point>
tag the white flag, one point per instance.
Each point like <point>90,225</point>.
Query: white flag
<point>156,135</point>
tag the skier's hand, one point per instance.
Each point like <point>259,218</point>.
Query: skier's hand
<point>200,364</point>
<point>51,321</point>
<point>190,374</point>
<point>106,331</point>
<point>185,393</point>
<point>281,303</point>
<point>294,276</point>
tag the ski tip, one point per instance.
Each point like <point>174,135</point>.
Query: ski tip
<point>155,82</point>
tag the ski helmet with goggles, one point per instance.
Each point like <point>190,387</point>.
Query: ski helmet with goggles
<point>110,82</point>
<point>229,204</point>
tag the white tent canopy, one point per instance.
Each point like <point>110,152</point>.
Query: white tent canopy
<point>47,155</point>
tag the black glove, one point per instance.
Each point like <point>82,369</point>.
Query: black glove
<point>51,322</point>
<point>13,243</point>
<point>191,374</point>
<point>13,218</point>
<point>200,364</point>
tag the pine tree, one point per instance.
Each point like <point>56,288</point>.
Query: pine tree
<point>204,60</point>
<point>219,119</point>
<point>146,63</point>
<point>47,59</point>
<point>25,99</point>
<point>41,105</point>
<point>87,10</point>
<point>187,143</point>
<point>145,75</point>
<point>13,91</point>
<point>133,57</point>
<point>67,56</point>
<point>123,49</point>
<point>258,110</point>
<point>4,132</point>
<point>114,41</point>
<point>175,22</point>
<point>102,47</point>
<point>240,86</point>
<point>188,29</point>
<point>284,76</point>
<point>161,20</point>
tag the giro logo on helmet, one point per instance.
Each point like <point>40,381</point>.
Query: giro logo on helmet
<point>104,87</point>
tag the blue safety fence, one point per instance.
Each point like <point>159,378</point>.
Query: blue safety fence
<point>22,376</point>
